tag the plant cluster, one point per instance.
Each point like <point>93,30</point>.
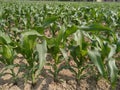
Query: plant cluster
<point>68,33</point>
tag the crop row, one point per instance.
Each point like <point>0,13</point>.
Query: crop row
<point>80,34</point>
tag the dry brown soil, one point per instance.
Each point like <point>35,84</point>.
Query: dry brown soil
<point>46,82</point>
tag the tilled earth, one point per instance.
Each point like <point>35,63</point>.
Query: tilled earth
<point>66,82</point>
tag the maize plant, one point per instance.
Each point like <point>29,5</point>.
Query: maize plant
<point>8,54</point>
<point>87,34</point>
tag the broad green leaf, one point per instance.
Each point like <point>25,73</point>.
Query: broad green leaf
<point>28,42</point>
<point>49,20</point>
<point>39,29</point>
<point>51,42</point>
<point>70,31</point>
<point>78,37</point>
<point>95,56</point>
<point>103,47</point>
<point>76,54</point>
<point>27,45</point>
<point>112,50</point>
<point>42,52</point>
<point>113,70</point>
<point>31,33</point>
<point>4,38</point>
<point>65,54</point>
<point>2,41</point>
<point>60,37</point>
<point>7,52</point>
<point>95,27</point>
<point>84,52</point>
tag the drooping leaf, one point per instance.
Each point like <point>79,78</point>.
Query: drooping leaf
<point>112,50</point>
<point>95,56</point>
<point>28,42</point>
<point>42,52</point>
<point>78,37</point>
<point>31,33</point>
<point>65,54</point>
<point>113,70</point>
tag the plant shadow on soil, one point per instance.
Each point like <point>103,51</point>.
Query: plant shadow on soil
<point>46,81</point>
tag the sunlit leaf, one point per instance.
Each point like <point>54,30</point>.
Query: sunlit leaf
<point>42,52</point>
<point>95,27</point>
<point>113,70</point>
<point>49,20</point>
<point>96,59</point>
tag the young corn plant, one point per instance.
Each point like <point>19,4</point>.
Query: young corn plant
<point>105,63</point>
<point>78,51</point>
<point>78,48</point>
<point>57,46</point>
<point>33,48</point>
<point>115,38</point>
<point>8,54</point>
<point>54,45</point>
<point>102,55</point>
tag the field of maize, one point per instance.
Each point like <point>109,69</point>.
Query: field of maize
<point>59,46</point>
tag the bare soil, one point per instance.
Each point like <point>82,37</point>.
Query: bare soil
<point>46,82</point>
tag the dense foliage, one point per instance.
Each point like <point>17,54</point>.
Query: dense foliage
<point>88,34</point>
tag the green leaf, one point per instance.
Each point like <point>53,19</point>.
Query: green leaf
<point>118,43</point>
<point>1,50</point>
<point>78,37</point>
<point>39,29</point>
<point>70,31</point>
<point>113,71</point>
<point>28,42</point>
<point>4,39</point>
<point>95,56</point>
<point>16,30</point>
<point>112,50</point>
<point>60,37</point>
<point>42,52</point>
<point>51,42</point>
<point>65,54</point>
<point>100,41</point>
<point>83,52</point>
<point>49,20</point>
<point>7,52</point>
<point>95,27</point>
<point>31,33</point>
